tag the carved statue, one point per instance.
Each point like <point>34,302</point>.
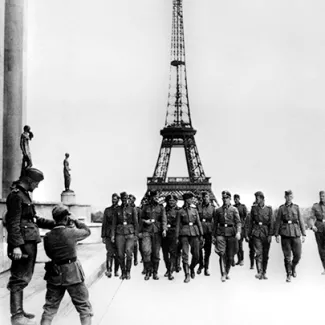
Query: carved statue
<point>25,137</point>
<point>66,173</point>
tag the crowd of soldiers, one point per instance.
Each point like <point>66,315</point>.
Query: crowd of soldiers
<point>195,228</point>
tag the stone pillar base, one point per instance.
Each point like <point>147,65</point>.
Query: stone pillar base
<point>68,197</point>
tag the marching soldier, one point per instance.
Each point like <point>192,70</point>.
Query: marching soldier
<point>290,226</point>
<point>111,253</point>
<point>132,200</point>
<point>23,236</point>
<point>153,225</point>
<point>317,223</point>
<point>124,231</point>
<point>190,233</point>
<point>169,246</point>
<point>226,233</point>
<point>243,215</point>
<point>260,231</point>
<point>144,201</point>
<point>64,272</point>
<point>207,215</point>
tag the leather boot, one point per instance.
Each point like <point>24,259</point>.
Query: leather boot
<point>109,263</point>
<point>222,268</point>
<point>187,273</point>
<point>16,310</point>
<point>178,264</point>
<point>147,271</point>
<point>294,272</point>
<point>155,271</point>
<point>128,269</point>
<point>288,268</point>
<point>171,270</point>
<point>228,266</point>
<point>116,266</point>
<point>46,321</point>
<point>264,277</point>
<point>27,315</point>
<point>259,274</point>
<point>206,267</point>
<point>85,320</point>
<point>252,264</point>
<point>135,253</point>
<point>192,271</point>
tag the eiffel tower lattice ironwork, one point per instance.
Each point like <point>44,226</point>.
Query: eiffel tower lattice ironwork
<point>178,130</point>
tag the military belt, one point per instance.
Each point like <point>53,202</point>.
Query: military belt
<point>67,261</point>
<point>205,220</point>
<point>290,221</point>
<point>260,223</point>
<point>225,225</point>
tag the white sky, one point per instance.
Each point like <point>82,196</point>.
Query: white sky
<point>98,77</point>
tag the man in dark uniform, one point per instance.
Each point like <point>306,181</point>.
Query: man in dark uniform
<point>23,236</point>
<point>169,246</point>
<point>111,253</point>
<point>132,200</point>
<point>226,233</point>
<point>290,226</point>
<point>64,272</point>
<point>243,215</point>
<point>125,229</point>
<point>190,233</point>
<point>207,215</point>
<point>153,226</point>
<point>260,230</point>
<point>144,201</point>
<point>317,224</point>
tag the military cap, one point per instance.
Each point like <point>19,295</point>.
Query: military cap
<point>226,194</point>
<point>123,195</point>
<point>115,195</point>
<point>131,196</point>
<point>237,196</point>
<point>169,197</point>
<point>187,195</point>
<point>321,192</point>
<point>260,194</point>
<point>60,211</point>
<point>204,193</point>
<point>288,192</point>
<point>153,193</point>
<point>34,174</point>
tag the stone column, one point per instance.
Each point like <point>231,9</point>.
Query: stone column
<point>13,108</point>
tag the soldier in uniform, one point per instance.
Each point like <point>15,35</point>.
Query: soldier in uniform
<point>64,272</point>
<point>169,246</point>
<point>23,236</point>
<point>111,253</point>
<point>243,215</point>
<point>125,229</point>
<point>260,230</point>
<point>226,233</point>
<point>207,215</point>
<point>317,224</point>
<point>153,225</point>
<point>144,201</point>
<point>190,233</point>
<point>290,226</point>
<point>132,200</point>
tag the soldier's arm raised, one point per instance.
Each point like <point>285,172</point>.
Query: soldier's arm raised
<point>81,231</point>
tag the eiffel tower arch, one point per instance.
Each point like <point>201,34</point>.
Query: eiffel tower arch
<point>178,130</point>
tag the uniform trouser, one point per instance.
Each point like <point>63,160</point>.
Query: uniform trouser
<point>291,244</point>
<point>169,248</point>
<point>79,296</point>
<point>125,247</point>
<point>194,242</point>
<point>226,248</point>
<point>204,262</point>
<point>151,243</point>
<point>135,250</point>
<point>261,248</point>
<point>240,249</point>
<point>320,240</point>
<point>22,270</point>
<point>111,253</point>
<point>251,251</point>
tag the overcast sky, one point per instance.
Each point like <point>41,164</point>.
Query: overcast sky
<point>98,76</point>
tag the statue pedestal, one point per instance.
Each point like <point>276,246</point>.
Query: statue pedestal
<point>68,197</point>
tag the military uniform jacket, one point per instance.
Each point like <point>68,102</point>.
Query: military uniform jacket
<point>107,224</point>
<point>260,224</point>
<point>317,217</point>
<point>61,247</point>
<point>21,220</point>
<point>289,222</point>
<point>157,215</point>
<point>207,216</point>
<point>188,222</point>
<point>242,210</point>
<point>125,221</point>
<point>171,215</point>
<point>227,221</point>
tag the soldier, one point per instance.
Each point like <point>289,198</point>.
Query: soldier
<point>207,215</point>
<point>226,233</point>
<point>64,272</point>
<point>290,226</point>
<point>250,240</point>
<point>243,215</point>
<point>23,236</point>
<point>132,200</point>
<point>317,223</point>
<point>144,201</point>
<point>125,230</point>
<point>153,226</point>
<point>260,231</point>
<point>190,233</point>
<point>111,253</point>
<point>169,246</point>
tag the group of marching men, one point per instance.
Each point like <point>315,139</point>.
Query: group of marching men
<point>195,228</point>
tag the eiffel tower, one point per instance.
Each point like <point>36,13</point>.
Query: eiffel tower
<point>178,130</point>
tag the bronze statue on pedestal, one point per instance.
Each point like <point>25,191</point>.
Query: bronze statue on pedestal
<point>66,173</point>
<point>25,137</point>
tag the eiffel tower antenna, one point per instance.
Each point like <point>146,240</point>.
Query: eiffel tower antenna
<point>178,130</point>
